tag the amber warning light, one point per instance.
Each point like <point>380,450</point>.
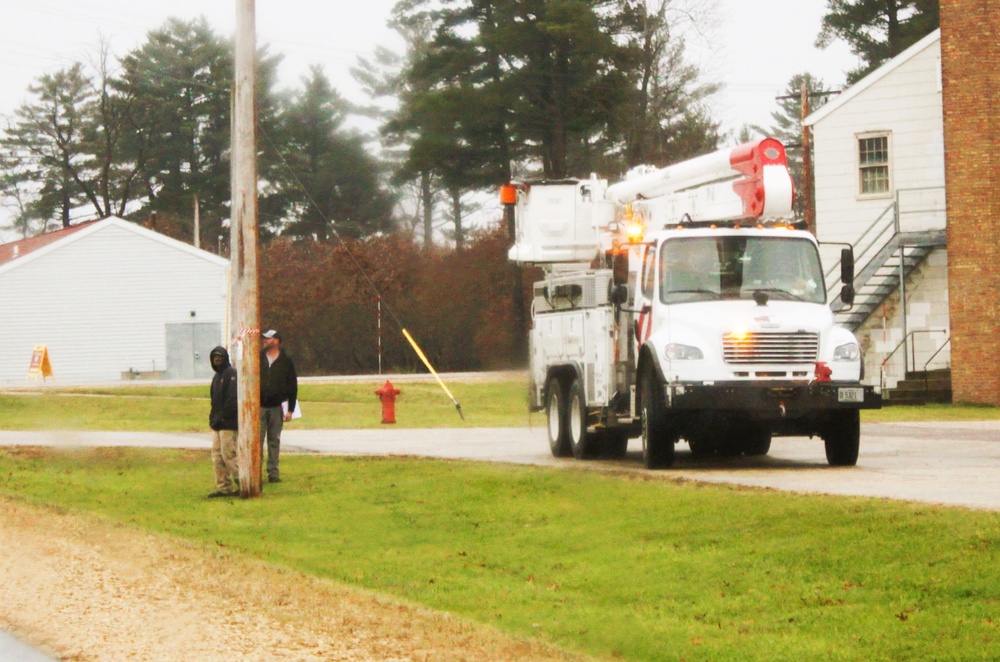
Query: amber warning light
<point>508,194</point>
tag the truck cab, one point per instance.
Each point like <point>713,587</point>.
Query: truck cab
<point>735,325</point>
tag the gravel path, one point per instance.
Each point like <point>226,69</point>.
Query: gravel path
<point>84,589</point>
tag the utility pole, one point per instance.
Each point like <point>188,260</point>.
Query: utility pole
<point>808,195</point>
<point>243,250</point>
<point>807,182</point>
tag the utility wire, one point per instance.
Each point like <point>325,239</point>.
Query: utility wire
<point>357,265</point>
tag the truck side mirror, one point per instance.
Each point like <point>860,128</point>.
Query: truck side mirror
<point>847,267</point>
<point>618,294</point>
<point>847,294</point>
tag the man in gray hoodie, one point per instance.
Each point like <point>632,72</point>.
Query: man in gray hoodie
<point>224,420</point>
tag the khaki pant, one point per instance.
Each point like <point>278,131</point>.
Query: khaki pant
<point>224,452</point>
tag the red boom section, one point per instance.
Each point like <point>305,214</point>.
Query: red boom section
<point>750,160</point>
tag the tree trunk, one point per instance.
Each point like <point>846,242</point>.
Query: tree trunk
<point>456,211</point>
<point>427,198</point>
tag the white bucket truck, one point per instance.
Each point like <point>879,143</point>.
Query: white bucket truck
<point>682,304</point>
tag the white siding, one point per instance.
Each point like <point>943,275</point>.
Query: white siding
<point>906,103</point>
<point>100,302</point>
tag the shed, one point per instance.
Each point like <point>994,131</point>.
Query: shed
<point>110,300</point>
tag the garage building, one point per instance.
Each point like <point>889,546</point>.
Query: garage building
<point>110,300</point>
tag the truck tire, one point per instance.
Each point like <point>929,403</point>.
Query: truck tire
<point>556,415</point>
<point>583,445</point>
<point>757,439</point>
<point>728,443</point>
<point>657,441</point>
<point>842,437</point>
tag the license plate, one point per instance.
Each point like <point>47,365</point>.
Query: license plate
<point>850,395</point>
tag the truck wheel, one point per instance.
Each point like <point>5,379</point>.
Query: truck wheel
<point>757,440</point>
<point>842,438</point>
<point>584,445</point>
<point>555,410</point>
<point>657,443</point>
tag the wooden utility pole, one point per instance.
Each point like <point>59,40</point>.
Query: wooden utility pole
<point>807,187</point>
<point>243,250</point>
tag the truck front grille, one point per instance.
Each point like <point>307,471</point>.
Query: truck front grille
<point>783,348</point>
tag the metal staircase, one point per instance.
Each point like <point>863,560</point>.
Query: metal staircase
<point>889,250</point>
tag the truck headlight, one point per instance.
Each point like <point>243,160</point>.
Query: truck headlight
<point>848,352</point>
<point>676,352</point>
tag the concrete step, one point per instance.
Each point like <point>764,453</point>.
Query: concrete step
<point>895,397</point>
<point>932,386</point>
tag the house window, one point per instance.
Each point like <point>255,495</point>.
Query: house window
<point>873,164</point>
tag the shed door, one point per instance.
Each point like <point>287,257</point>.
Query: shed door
<point>188,346</point>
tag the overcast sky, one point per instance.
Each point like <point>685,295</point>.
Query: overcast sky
<point>755,49</point>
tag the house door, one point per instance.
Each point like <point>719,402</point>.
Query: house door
<point>188,346</point>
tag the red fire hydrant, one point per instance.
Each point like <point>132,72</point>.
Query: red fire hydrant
<point>387,394</point>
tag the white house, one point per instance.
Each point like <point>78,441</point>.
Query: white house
<point>110,300</point>
<point>880,177</point>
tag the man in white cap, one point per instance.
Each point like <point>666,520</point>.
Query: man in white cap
<point>279,389</point>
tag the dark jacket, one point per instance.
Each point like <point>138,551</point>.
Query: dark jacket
<point>225,414</point>
<point>278,381</point>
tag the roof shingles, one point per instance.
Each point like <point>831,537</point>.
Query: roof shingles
<point>15,249</point>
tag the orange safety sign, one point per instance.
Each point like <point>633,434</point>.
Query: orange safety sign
<point>40,366</point>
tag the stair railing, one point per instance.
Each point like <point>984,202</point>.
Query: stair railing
<point>877,236</point>
<point>905,342</point>
<point>872,237</point>
<point>937,351</point>
<point>885,362</point>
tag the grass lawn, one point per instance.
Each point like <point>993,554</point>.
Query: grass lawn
<point>324,406</point>
<point>619,567</point>
<point>422,404</point>
<point>616,566</point>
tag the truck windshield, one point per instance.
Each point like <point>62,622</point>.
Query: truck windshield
<point>734,267</point>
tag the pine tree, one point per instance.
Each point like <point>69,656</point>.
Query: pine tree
<point>877,30</point>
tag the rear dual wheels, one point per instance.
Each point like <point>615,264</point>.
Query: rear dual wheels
<point>566,410</point>
<point>557,419</point>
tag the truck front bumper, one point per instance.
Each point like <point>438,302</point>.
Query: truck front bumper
<point>774,399</point>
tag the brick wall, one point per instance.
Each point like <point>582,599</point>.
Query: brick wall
<point>970,51</point>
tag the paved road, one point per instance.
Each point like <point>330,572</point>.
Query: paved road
<point>955,463</point>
